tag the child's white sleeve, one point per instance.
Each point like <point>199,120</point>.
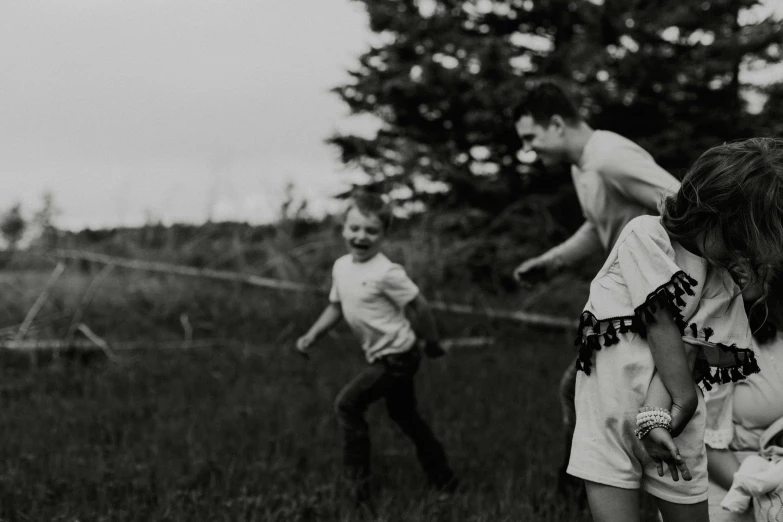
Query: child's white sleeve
<point>398,287</point>
<point>646,261</point>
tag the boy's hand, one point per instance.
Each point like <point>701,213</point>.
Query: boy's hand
<point>660,446</point>
<point>303,343</point>
<point>433,349</point>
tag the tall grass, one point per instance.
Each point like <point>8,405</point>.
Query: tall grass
<point>246,431</point>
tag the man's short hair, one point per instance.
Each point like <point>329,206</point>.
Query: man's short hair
<point>543,101</point>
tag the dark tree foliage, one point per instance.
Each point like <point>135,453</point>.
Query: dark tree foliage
<point>443,75</point>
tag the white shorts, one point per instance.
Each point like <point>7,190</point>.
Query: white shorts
<point>605,449</point>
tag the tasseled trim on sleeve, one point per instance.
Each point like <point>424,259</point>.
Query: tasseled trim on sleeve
<point>745,364</point>
<point>667,296</point>
<point>594,332</point>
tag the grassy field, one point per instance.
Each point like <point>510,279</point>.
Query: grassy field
<point>246,431</point>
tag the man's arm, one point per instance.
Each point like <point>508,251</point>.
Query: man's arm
<point>639,179</point>
<point>581,245</point>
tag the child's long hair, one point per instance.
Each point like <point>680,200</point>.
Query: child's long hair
<point>734,194</point>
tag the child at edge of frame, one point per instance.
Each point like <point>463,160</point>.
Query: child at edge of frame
<point>666,313</point>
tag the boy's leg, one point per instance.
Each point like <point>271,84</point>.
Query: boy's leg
<point>350,406</point>
<point>611,504</point>
<point>401,405</point>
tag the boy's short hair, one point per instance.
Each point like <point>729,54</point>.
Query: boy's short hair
<point>543,101</point>
<point>371,203</point>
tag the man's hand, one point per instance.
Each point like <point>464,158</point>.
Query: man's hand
<point>303,343</point>
<point>535,269</point>
<point>660,446</point>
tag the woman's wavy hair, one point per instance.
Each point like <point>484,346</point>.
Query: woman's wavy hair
<point>734,194</point>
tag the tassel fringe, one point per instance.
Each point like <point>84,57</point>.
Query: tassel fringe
<point>667,297</point>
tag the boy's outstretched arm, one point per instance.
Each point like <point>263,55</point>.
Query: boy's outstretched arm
<point>328,318</point>
<point>423,322</point>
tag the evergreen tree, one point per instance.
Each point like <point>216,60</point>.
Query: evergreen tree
<point>444,73</point>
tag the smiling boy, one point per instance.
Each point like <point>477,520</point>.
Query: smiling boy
<point>385,311</point>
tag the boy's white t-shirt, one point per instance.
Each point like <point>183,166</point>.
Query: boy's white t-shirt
<point>373,295</point>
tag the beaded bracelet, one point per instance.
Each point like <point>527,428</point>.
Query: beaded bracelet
<point>654,418</point>
<point>648,413</point>
<point>642,432</point>
<point>649,418</point>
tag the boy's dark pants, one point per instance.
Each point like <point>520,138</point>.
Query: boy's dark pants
<point>390,378</point>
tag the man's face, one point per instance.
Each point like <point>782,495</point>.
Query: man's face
<point>363,234</point>
<point>546,141</point>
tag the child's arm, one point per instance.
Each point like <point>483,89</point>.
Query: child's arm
<point>328,318</point>
<point>423,322</point>
<point>672,386</point>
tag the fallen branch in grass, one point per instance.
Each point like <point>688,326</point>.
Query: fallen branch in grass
<point>42,297</point>
<point>452,343</point>
<point>76,320</point>
<point>97,341</point>
<point>37,306</point>
<point>510,315</point>
<point>167,268</point>
<point>519,316</point>
<point>28,345</point>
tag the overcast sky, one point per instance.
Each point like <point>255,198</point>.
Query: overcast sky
<point>176,109</point>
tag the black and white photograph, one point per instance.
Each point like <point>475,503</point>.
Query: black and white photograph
<point>391,260</point>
